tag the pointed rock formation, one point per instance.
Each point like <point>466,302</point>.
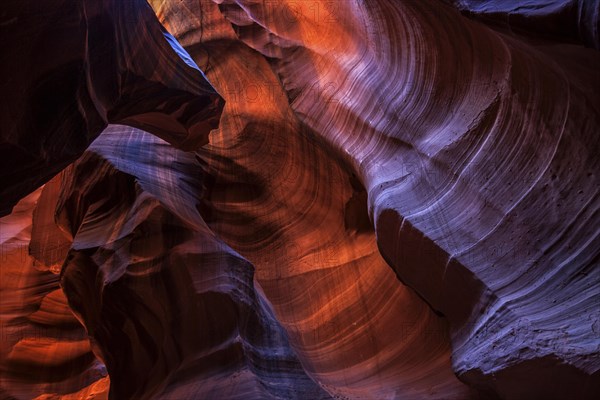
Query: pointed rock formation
<point>171,310</point>
<point>71,67</point>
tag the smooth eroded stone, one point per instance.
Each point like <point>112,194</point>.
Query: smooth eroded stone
<point>69,67</point>
<point>478,152</point>
<point>45,352</point>
<point>171,310</point>
<point>400,202</point>
<point>290,206</point>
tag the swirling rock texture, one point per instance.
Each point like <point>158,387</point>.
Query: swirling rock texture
<point>364,146</point>
<point>170,308</point>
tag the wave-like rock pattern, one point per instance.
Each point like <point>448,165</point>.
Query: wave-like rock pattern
<point>299,216</point>
<point>478,153</point>
<point>363,145</point>
<point>171,310</point>
<point>70,67</point>
<point>45,351</point>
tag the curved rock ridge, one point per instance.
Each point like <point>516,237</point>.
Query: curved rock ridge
<point>577,20</point>
<point>171,310</point>
<point>399,202</point>
<point>45,351</point>
<point>279,199</point>
<point>478,154</point>
<point>70,67</point>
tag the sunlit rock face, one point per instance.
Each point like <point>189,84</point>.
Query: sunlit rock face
<point>464,139</point>
<point>399,202</point>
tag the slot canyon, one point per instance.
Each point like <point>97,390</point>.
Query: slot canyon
<point>300,199</point>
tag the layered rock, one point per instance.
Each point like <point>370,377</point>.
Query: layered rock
<point>70,67</point>
<point>171,309</point>
<point>45,351</point>
<point>364,146</point>
<point>477,151</point>
<point>299,215</point>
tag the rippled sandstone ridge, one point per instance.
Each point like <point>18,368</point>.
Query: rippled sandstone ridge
<point>398,201</point>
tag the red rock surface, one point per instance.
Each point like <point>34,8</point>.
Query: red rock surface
<point>45,351</point>
<point>399,202</point>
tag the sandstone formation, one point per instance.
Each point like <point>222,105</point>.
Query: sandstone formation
<point>45,351</point>
<point>399,202</point>
<point>70,67</point>
<point>463,138</point>
<point>169,308</point>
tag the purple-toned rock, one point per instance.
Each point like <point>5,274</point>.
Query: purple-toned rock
<point>170,309</point>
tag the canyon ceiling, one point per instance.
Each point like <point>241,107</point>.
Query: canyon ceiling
<point>300,199</point>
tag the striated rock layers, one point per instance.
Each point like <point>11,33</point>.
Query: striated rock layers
<point>478,152</point>
<point>45,351</point>
<point>399,202</point>
<point>170,308</point>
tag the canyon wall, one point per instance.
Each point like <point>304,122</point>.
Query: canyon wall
<point>399,201</point>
